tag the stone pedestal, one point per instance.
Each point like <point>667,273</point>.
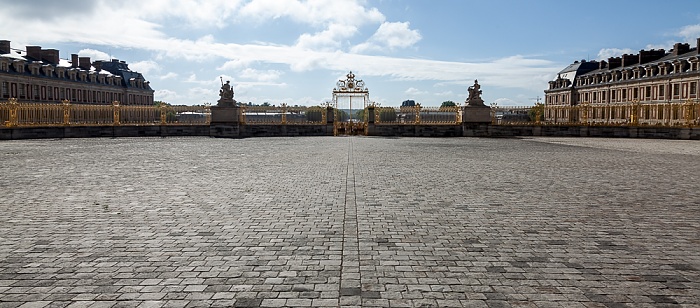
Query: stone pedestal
<point>225,122</point>
<point>476,114</point>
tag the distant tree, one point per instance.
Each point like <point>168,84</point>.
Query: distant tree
<point>448,104</point>
<point>360,115</point>
<point>408,103</point>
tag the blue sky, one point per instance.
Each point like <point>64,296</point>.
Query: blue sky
<point>293,51</point>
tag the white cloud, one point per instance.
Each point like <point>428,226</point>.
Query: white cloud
<point>328,39</point>
<point>606,53</point>
<point>169,75</point>
<point>234,64</point>
<point>389,36</point>
<point>144,67</point>
<point>690,33</point>
<point>94,54</point>
<point>165,95</point>
<point>315,12</point>
<point>414,91</point>
<point>258,75</point>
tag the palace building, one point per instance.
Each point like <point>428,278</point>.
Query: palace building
<point>37,75</point>
<point>651,82</point>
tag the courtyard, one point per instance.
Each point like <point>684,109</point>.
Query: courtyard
<point>349,222</point>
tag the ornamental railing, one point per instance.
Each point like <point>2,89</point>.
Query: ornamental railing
<point>15,114</point>
<point>627,114</point>
<point>283,115</point>
<point>417,115</point>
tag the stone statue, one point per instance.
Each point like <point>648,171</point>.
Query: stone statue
<point>474,91</point>
<point>226,95</point>
<point>226,91</point>
<point>474,98</point>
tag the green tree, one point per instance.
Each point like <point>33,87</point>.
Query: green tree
<point>448,104</point>
<point>360,115</point>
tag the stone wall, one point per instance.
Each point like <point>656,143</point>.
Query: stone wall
<point>103,131</point>
<point>415,130</point>
<point>234,130</point>
<point>652,132</point>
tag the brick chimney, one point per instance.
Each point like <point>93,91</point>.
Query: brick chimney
<point>680,48</point>
<point>84,63</point>
<point>74,60</point>
<point>602,65</point>
<point>628,60</point>
<point>97,65</point>
<point>5,46</point>
<point>34,52</point>
<point>614,62</point>
<point>50,56</point>
<point>646,56</point>
<point>697,46</point>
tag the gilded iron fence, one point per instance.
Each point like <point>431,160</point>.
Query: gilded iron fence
<point>514,115</point>
<point>629,114</point>
<point>416,115</point>
<point>15,114</point>
<point>283,115</point>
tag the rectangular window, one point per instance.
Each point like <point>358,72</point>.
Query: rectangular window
<point>36,92</point>
<point>693,88</point>
<point>661,91</point>
<point>612,95</point>
<point>5,89</point>
<point>21,90</point>
<point>602,96</point>
<point>635,93</point>
<point>624,94</point>
<point>595,96</point>
<point>676,90</point>
<point>647,92</point>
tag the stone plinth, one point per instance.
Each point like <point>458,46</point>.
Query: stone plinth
<point>225,122</point>
<point>476,114</point>
<point>225,114</point>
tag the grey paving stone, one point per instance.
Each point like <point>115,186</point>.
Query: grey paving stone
<point>351,222</point>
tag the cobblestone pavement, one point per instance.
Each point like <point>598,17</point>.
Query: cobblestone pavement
<point>349,221</point>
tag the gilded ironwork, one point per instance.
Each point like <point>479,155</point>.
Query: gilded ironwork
<point>15,114</point>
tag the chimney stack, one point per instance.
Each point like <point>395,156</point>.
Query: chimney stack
<point>34,52</point>
<point>614,62</point>
<point>5,46</point>
<point>74,60</point>
<point>602,65</point>
<point>50,56</point>
<point>97,65</point>
<point>84,63</point>
<point>650,55</point>
<point>680,48</point>
<point>697,46</point>
<point>628,60</point>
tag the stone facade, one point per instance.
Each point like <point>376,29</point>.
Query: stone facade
<point>37,75</point>
<point>649,77</point>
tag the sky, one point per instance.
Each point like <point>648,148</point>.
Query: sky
<point>294,51</point>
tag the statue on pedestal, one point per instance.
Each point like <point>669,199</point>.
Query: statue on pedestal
<point>474,98</point>
<point>226,95</point>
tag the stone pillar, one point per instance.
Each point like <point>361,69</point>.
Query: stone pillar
<point>476,114</point>
<point>225,121</point>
